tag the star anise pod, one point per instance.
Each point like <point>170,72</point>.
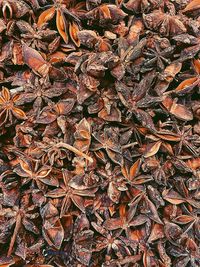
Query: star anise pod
<point>106,14</point>
<point>8,110</point>
<point>189,84</point>
<point>125,221</point>
<point>36,37</point>
<point>50,153</point>
<point>52,231</point>
<point>186,254</point>
<point>30,171</point>
<point>114,182</point>
<point>40,91</point>
<point>110,241</point>
<point>9,186</point>
<point>190,220</point>
<point>99,133</point>
<point>90,39</point>
<point>72,190</point>
<point>108,140</point>
<point>18,216</point>
<point>192,7</point>
<point>157,57</point>
<point>27,250</point>
<point>164,23</point>
<point>67,18</point>
<point>138,98</point>
<point>181,194</point>
<point>187,141</point>
<point>83,240</point>
<point>41,66</point>
<point>11,8</point>
<point>56,113</point>
<point>142,6</point>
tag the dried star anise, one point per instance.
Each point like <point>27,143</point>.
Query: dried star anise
<point>40,91</point>
<point>8,108</point>
<point>73,190</point>
<point>20,216</point>
<point>31,172</point>
<point>34,36</point>
<point>67,18</point>
<point>157,57</point>
<point>100,133</point>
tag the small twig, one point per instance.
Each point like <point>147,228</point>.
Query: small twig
<point>75,150</point>
<point>14,236</point>
<point>168,92</point>
<point>16,90</point>
<point>129,145</point>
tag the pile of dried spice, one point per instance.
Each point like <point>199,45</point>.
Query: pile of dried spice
<point>100,133</point>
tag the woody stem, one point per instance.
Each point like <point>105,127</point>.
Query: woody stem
<point>75,150</point>
<point>16,230</point>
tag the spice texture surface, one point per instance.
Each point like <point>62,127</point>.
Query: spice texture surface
<point>99,133</point>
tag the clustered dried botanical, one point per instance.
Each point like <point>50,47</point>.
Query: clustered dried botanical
<point>100,133</point>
